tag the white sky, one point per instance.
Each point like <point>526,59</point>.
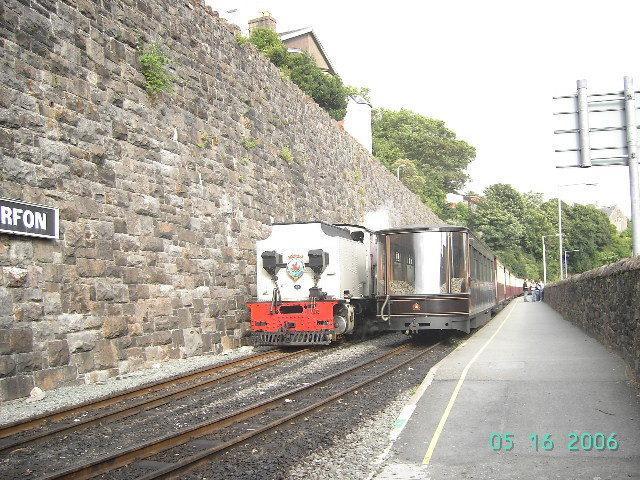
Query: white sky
<point>487,68</point>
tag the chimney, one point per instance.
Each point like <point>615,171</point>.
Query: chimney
<point>265,20</point>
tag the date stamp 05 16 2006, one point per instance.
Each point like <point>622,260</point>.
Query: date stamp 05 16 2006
<point>573,442</point>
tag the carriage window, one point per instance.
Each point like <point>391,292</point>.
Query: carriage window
<point>458,244</point>
<point>427,263</point>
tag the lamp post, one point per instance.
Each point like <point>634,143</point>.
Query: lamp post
<point>544,256</point>
<point>398,173</point>
<point>566,270</point>
<point>544,262</point>
<point>560,218</point>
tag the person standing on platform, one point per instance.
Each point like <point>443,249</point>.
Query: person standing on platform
<point>525,290</point>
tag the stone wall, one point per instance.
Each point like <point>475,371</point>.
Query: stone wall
<point>161,200</point>
<point>606,303</point>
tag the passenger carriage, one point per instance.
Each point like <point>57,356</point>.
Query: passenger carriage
<point>437,278</point>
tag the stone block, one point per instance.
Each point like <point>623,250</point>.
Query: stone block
<point>192,342</point>
<point>139,292</point>
<point>155,353</point>
<point>6,303</point>
<point>162,337</point>
<point>100,376</point>
<point>15,387</point>
<point>56,377</point>
<point>7,365</point>
<point>227,343</point>
<point>145,205</point>
<point>114,327</point>
<point>21,251</point>
<point>52,304</point>
<point>16,340</point>
<point>104,355</point>
<point>106,291</point>
<point>83,341</point>
<point>57,353</point>
<point>28,362</point>
<point>135,329</point>
<point>15,277</point>
<point>28,312</point>
<point>208,325</point>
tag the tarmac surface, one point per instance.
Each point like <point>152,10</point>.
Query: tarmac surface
<point>527,372</point>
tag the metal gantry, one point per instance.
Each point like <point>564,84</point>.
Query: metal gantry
<point>600,129</point>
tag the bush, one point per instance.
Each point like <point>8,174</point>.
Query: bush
<point>286,155</point>
<point>154,64</point>
<point>327,90</point>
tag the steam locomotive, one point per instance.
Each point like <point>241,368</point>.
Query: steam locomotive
<point>318,282</point>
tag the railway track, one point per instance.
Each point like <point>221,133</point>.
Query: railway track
<point>267,415</point>
<point>134,401</point>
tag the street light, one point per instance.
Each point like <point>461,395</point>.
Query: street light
<point>544,257</point>
<point>566,270</point>
<point>560,216</point>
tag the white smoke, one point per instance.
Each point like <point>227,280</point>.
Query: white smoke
<point>378,219</point>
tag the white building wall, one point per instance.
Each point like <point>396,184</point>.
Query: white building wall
<point>357,122</point>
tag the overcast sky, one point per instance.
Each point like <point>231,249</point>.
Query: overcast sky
<point>489,69</point>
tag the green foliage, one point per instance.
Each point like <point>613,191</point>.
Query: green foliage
<point>327,90</point>
<point>269,43</point>
<point>513,223</point>
<point>364,92</point>
<point>241,39</point>
<point>286,155</point>
<point>250,143</point>
<point>619,248</point>
<point>433,161</point>
<point>155,62</point>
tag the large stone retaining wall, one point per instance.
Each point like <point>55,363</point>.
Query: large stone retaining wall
<point>161,201</point>
<point>606,303</point>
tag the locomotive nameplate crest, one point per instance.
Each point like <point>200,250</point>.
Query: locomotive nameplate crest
<point>295,266</point>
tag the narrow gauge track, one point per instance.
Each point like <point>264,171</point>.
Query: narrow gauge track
<point>174,388</point>
<point>127,457</point>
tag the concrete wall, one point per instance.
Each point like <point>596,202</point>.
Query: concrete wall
<point>161,200</point>
<point>606,303</point>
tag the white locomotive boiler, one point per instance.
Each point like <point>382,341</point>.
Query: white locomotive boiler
<point>314,283</point>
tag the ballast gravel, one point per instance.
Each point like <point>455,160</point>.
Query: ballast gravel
<point>344,439</point>
<point>18,410</point>
<point>197,407</point>
<point>360,460</point>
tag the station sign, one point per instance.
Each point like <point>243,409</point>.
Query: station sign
<point>20,218</point>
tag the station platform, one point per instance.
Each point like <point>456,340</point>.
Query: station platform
<point>528,371</point>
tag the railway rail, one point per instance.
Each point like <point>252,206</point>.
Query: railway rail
<point>261,412</point>
<point>118,406</point>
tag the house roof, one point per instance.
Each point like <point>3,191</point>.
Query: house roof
<point>304,31</point>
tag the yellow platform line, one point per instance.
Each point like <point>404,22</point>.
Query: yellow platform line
<point>454,395</point>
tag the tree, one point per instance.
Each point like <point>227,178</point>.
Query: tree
<point>440,157</point>
<point>619,248</point>
<point>513,223</point>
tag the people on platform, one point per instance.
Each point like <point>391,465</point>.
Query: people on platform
<point>525,289</point>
